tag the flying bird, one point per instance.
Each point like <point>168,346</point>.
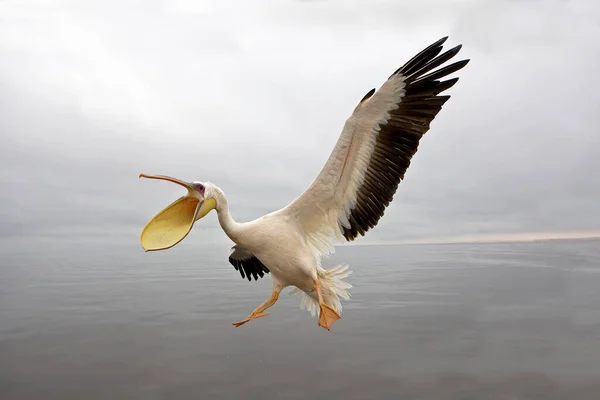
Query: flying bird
<point>346,199</point>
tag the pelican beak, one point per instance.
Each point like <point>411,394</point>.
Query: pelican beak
<point>171,225</point>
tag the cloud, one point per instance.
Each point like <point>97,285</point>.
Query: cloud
<point>252,96</point>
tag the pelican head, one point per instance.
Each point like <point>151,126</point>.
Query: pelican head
<point>171,225</point>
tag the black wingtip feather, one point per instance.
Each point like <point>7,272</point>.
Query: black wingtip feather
<point>423,56</point>
<point>442,72</point>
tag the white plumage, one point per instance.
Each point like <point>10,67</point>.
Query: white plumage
<point>346,199</point>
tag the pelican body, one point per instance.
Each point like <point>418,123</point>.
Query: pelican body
<point>347,198</point>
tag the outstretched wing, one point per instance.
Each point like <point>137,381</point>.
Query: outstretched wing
<point>374,150</point>
<point>247,263</point>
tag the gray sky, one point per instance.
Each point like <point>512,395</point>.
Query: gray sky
<point>252,95</point>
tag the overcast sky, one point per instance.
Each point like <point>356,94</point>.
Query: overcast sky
<point>252,96</point>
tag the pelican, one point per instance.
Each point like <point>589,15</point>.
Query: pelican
<point>346,199</point>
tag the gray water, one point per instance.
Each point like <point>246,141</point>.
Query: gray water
<point>85,320</point>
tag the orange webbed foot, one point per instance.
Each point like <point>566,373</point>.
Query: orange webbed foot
<point>251,317</point>
<point>327,317</point>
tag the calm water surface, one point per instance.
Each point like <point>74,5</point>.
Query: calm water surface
<point>495,321</point>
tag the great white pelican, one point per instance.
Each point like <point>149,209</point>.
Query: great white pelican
<point>347,198</point>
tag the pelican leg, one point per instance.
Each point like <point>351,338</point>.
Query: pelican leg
<point>327,315</point>
<point>260,310</point>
